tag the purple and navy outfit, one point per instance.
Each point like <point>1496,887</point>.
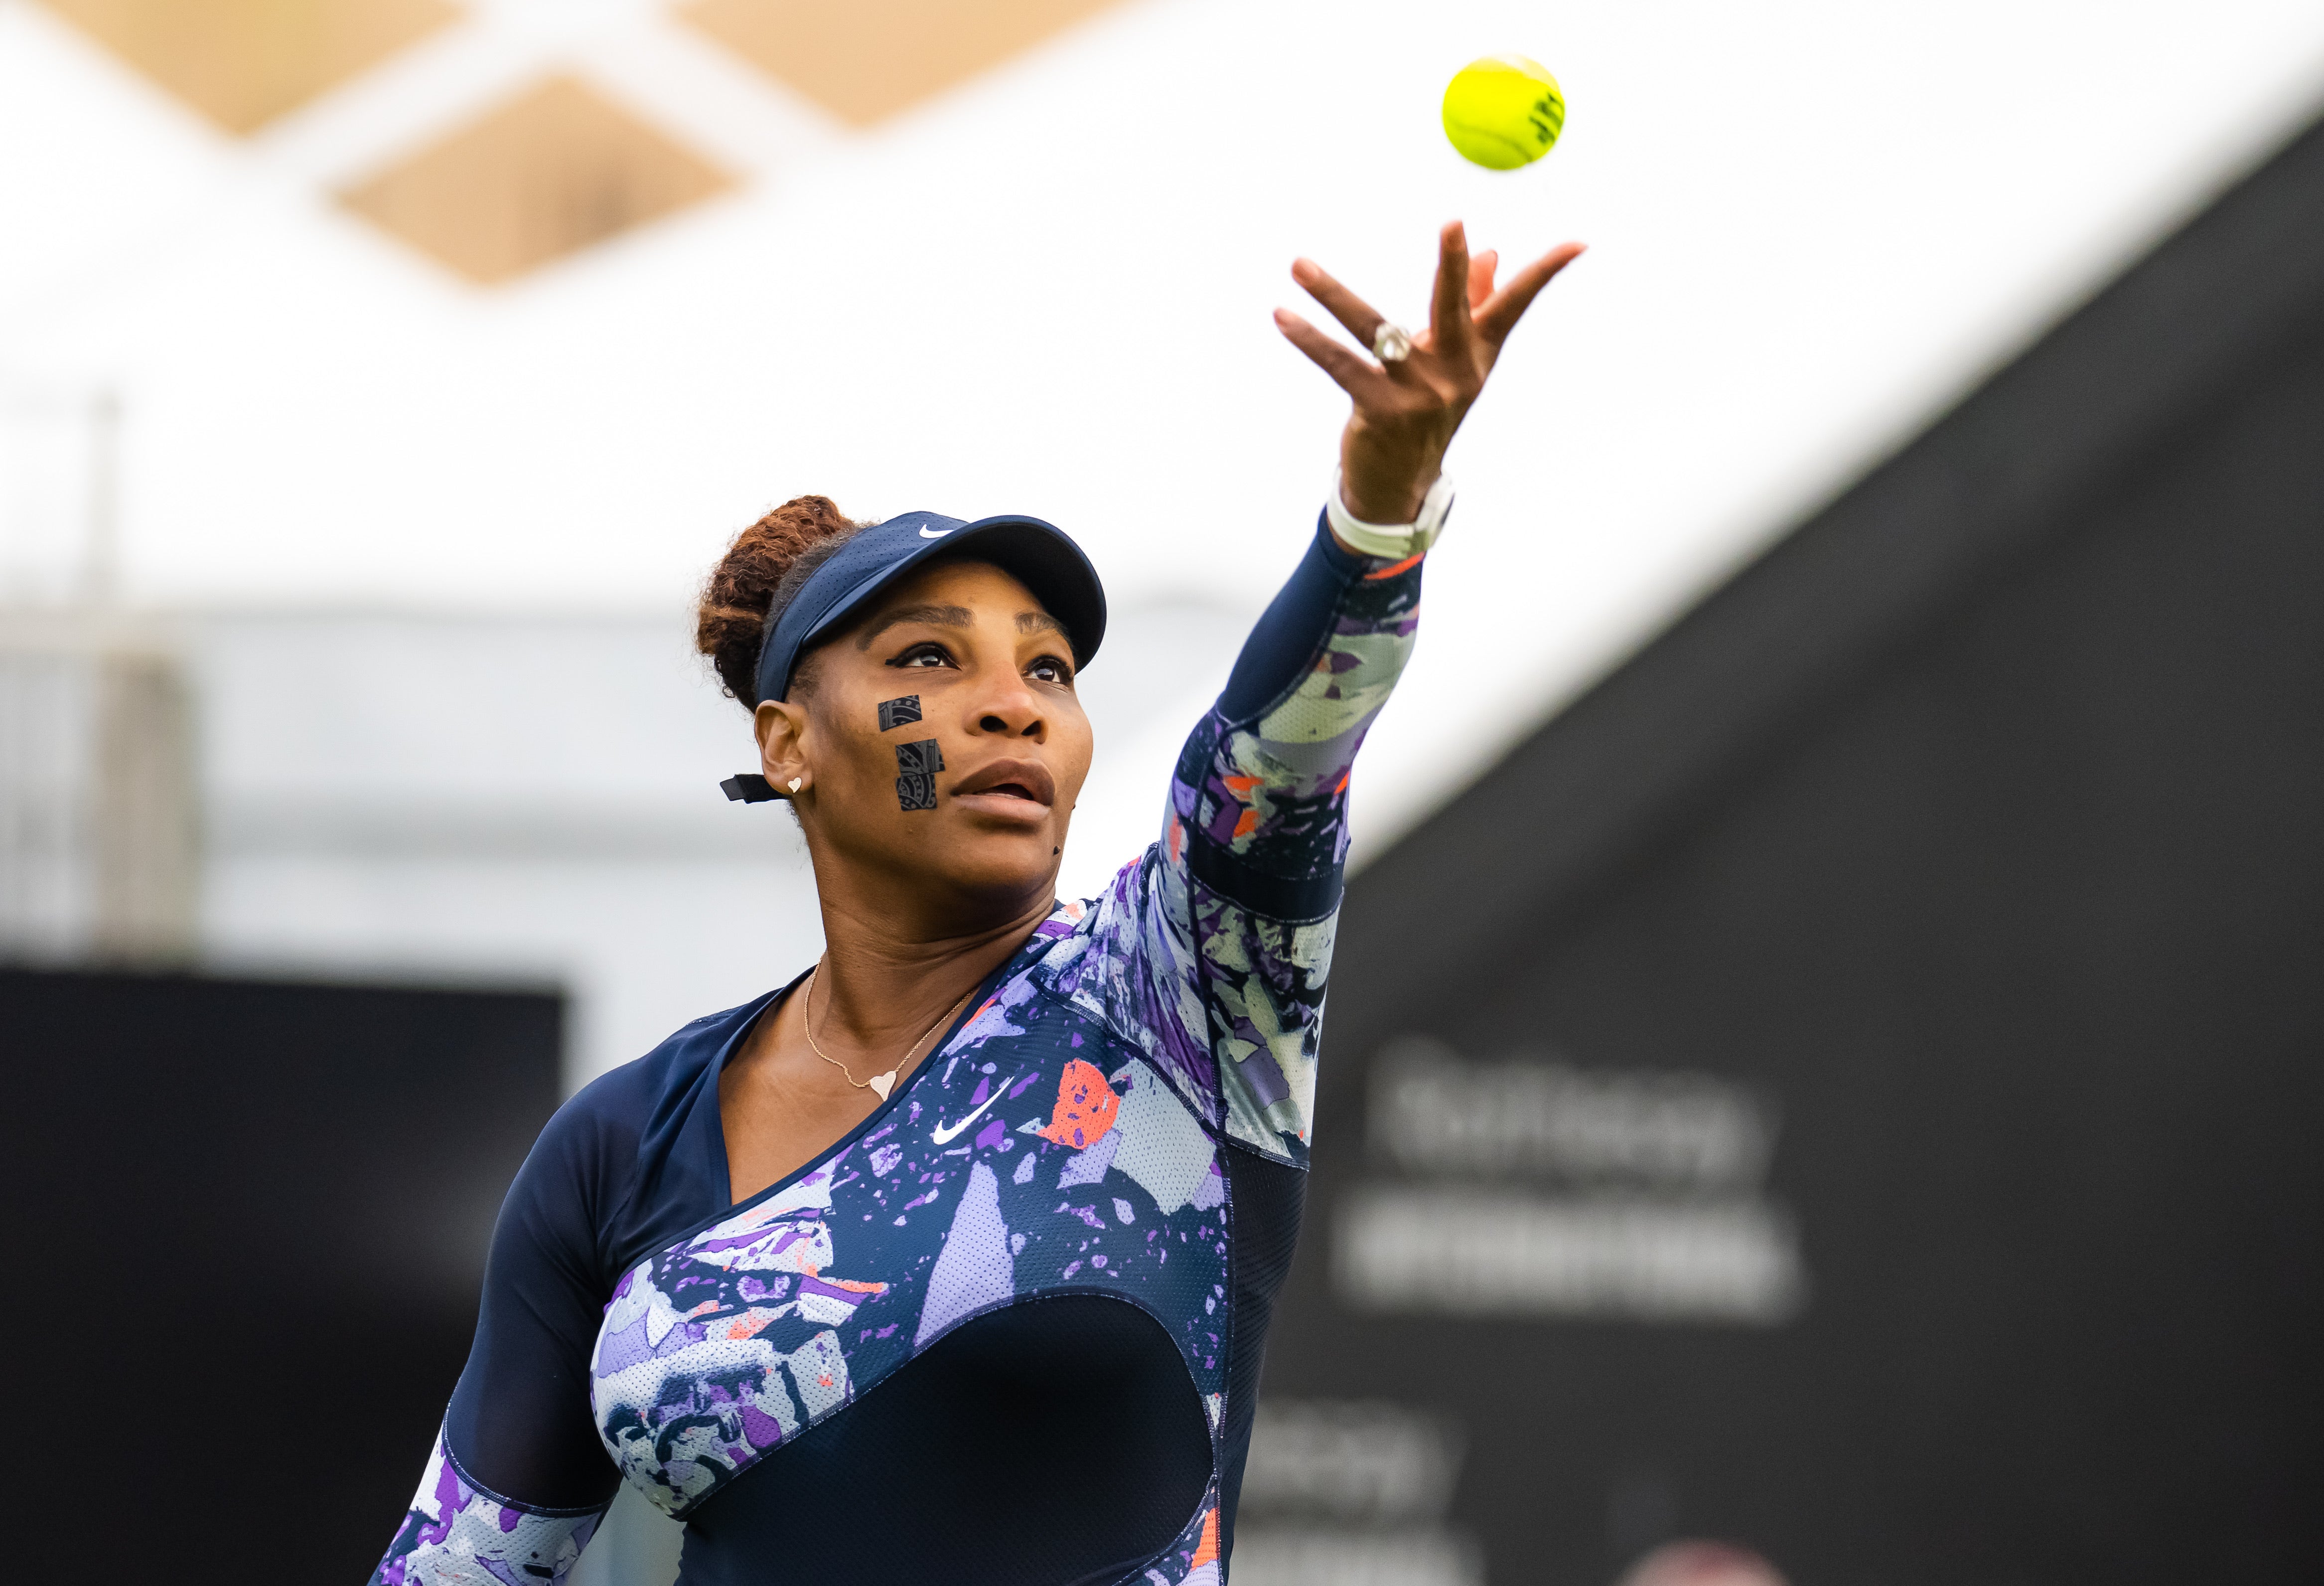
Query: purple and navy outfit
<point>1008,1329</point>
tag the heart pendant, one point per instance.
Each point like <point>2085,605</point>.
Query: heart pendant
<point>882,1083</point>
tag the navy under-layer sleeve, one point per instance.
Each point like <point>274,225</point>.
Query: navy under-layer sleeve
<point>1298,625</point>
<point>519,1477</point>
<point>519,1422</point>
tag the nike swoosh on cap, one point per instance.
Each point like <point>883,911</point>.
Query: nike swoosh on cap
<point>944,1134</point>
<point>934,534</point>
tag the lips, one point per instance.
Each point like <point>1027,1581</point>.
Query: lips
<point>1028,780</point>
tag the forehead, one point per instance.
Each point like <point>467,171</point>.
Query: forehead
<point>987,592</point>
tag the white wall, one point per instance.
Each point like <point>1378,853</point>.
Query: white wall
<point>501,798</point>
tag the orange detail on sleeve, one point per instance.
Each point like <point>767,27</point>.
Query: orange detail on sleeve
<point>1343,783</point>
<point>1240,785</point>
<point>1208,1548</point>
<point>1247,823</point>
<point>1085,1107</point>
<point>1389,572</point>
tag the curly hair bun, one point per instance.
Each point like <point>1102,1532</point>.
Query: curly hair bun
<point>761,573</point>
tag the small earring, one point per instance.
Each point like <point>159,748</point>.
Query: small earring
<point>795,782</point>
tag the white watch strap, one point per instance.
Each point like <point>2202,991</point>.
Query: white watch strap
<point>1393,541</point>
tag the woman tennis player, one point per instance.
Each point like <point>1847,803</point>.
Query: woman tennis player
<point>952,1260</point>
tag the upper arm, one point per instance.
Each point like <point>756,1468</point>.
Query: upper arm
<point>518,1477</point>
<point>1213,949</point>
<point>520,1421</point>
<point>1261,797</point>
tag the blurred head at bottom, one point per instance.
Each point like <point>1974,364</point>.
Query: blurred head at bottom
<point>1701,1563</point>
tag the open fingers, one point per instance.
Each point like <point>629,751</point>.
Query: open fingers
<point>1501,311</point>
<point>1480,279</point>
<point>1448,311</point>
<point>1360,317</point>
<point>1356,375</point>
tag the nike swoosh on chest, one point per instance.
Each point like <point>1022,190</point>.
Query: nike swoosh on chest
<point>945,1134</point>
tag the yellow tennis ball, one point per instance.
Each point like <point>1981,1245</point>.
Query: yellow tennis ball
<point>1504,111</point>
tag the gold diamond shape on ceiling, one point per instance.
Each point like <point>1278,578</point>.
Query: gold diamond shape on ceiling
<point>863,59</point>
<point>243,63</point>
<point>546,174</point>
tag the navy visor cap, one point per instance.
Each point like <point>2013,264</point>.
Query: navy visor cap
<point>1038,555</point>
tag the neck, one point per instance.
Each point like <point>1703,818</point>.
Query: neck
<point>882,982</point>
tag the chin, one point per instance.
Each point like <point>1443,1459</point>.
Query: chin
<point>1002,863</point>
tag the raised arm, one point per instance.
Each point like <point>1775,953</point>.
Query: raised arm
<point>1256,839</point>
<point>1212,951</point>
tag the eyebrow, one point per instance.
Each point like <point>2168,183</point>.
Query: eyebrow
<point>1034,622</point>
<point>935,615</point>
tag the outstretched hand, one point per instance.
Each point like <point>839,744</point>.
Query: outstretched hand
<point>1407,412</point>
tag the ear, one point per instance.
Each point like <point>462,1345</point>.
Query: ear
<point>781,725</point>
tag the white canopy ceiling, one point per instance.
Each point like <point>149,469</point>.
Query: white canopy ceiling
<point>1047,288</point>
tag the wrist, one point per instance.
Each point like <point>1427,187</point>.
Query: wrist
<point>1396,541</point>
<point>1369,502</point>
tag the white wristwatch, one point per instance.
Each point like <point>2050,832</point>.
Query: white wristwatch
<point>1393,541</point>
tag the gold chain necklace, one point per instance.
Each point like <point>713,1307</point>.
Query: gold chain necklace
<point>882,1083</point>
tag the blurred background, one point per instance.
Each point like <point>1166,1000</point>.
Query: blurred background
<point>1838,900</point>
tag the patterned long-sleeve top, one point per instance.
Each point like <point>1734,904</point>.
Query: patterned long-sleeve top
<point>1008,1328</point>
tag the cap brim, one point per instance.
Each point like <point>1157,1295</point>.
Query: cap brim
<point>1038,554</point>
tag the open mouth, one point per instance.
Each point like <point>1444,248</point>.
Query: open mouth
<point>1025,780</point>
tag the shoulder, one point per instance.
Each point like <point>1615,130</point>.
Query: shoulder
<point>640,1144</point>
<point>623,1106</point>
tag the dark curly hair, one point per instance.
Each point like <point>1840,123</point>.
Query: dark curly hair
<point>761,573</point>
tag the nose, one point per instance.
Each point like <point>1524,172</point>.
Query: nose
<point>1014,712</point>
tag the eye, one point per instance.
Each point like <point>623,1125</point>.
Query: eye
<point>1051,670</point>
<point>928,654</point>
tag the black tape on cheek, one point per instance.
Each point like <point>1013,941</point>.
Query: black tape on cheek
<point>916,788</point>
<point>896,713</point>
